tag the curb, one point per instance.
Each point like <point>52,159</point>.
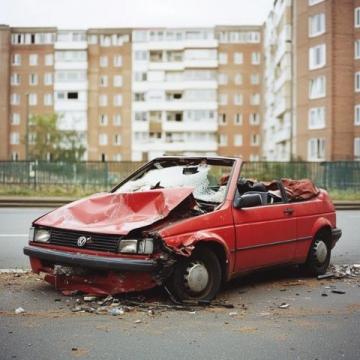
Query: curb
<point>38,202</point>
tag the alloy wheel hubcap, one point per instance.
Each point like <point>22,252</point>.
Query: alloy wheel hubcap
<point>196,277</point>
<point>321,251</point>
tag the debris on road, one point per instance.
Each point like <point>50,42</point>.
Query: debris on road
<point>284,306</point>
<point>233,313</point>
<point>19,310</point>
<point>335,291</point>
<point>341,271</point>
<point>90,298</point>
<point>14,271</point>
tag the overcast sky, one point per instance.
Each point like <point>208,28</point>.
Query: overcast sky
<point>81,14</point>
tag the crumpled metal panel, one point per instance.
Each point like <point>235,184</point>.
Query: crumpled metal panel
<point>116,213</point>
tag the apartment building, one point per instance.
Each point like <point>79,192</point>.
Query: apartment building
<point>240,72</point>
<point>27,69</point>
<point>174,105</point>
<point>327,79</point>
<point>277,85</point>
<point>109,94</point>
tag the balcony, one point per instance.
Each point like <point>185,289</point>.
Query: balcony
<point>194,126</point>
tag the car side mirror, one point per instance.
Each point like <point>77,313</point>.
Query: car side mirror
<point>247,200</point>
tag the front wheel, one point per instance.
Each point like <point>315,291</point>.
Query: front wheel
<point>197,277</point>
<point>319,258</point>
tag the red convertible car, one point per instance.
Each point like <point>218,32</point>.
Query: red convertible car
<point>189,223</point>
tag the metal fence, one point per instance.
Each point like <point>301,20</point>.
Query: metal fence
<point>338,175</point>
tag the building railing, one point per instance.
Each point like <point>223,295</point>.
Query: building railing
<point>337,175</point>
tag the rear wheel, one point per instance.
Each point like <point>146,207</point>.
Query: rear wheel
<point>197,277</point>
<point>319,258</point>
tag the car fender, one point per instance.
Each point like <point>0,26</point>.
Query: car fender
<point>320,223</point>
<point>185,244</point>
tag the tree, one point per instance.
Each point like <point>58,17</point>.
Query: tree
<point>47,142</point>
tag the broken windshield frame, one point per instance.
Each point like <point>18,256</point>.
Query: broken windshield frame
<point>209,177</point>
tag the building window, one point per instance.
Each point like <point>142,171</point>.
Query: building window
<point>103,100</point>
<point>103,80</point>
<point>223,58</point>
<point>316,119</point>
<point>317,25</point>
<point>140,76</point>
<point>223,99</point>
<point>139,97</point>
<point>15,79</point>
<point>222,119</point>
<point>117,120</point>
<point>254,157</point>
<point>314,2</point>
<point>33,79</point>
<point>15,99</point>
<point>118,81</point>
<point>103,139</point>
<point>317,87</point>
<point>357,148</point>
<point>16,60</point>
<point>48,79</point>
<point>223,139</point>
<point>317,57</point>
<point>255,58</point>
<point>103,120</point>
<point>15,119</point>
<point>357,17</point>
<point>223,79</point>
<point>238,119</point>
<point>33,59</point>
<point>117,100</point>
<point>49,59</point>
<point>357,115</point>
<point>117,139</point>
<point>357,49</point>
<point>238,79</point>
<point>140,116</point>
<point>255,140</point>
<point>48,99</point>
<point>238,58</point>
<point>117,61</point>
<point>32,99</point>
<point>254,119</point>
<point>103,61</point>
<point>255,79</point>
<point>141,55</point>
<point>14,138</point>
<point>238,140</point>
<point>238,99</point>
<point>316,149</point>
<point>357,81</point>
<point>255,99</point>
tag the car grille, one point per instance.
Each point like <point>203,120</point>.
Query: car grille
<point>98,242</point>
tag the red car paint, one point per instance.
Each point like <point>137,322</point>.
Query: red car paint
<point>248,238</point>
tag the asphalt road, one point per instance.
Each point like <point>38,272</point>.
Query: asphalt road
<point>313,327</point>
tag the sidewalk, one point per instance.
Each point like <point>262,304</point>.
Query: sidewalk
<point>53,202</point>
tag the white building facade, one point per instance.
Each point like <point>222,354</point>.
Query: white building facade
<point>174,92</point>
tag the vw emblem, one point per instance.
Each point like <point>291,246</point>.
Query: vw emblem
<point>81,241</point>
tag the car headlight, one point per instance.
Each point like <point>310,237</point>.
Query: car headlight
<point>134,246</point>
<point>42,235</point>
<point>31,233</point>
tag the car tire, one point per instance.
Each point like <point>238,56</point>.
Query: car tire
<point>319,258</point>
<point>197,277</point>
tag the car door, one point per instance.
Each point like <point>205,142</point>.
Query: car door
<point>265,235</point>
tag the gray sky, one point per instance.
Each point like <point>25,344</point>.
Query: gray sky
<point>80,14</point>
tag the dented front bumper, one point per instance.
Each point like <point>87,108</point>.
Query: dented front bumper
<point>94,274</point>
<point>91,261</point>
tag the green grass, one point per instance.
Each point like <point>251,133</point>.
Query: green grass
<point>345,195</point>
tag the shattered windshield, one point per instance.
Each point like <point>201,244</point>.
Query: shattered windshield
<point>209,180</point>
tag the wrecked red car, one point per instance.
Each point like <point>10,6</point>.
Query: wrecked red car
<point>187,223</point>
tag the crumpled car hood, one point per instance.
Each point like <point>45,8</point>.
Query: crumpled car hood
<point>116,213</point>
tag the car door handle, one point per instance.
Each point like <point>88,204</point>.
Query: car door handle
<point>288,211</point>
